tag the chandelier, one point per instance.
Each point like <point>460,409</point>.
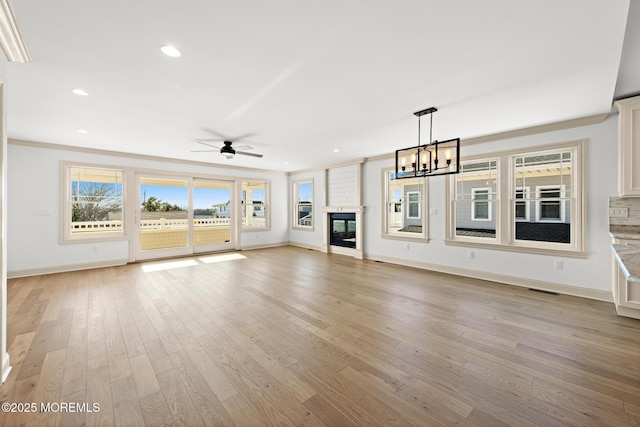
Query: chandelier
<point>432,158</point>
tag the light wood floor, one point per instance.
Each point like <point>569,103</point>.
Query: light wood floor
<point>293,337</point>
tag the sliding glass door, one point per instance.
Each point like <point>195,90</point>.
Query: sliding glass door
<point>180,216</point>
<point>212,215</point>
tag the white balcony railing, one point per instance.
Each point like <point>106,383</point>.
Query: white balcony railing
<point>155,224</point>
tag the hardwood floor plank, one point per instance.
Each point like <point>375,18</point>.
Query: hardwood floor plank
<point>155,410</point>
<point>286,337</point>
<point>144,376</point>
<point>242,412</point>
<point>126,406</point>
<point>405,412</point>
<point>179,402</point>
<point>210,408</point>
<point>99,391</point>
<point>158,357</point>
<point>328,414</point>
<point>216,380</point>
<point>75,368</point>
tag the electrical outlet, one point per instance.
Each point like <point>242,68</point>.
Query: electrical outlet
<point>470,255</point>
<point>434,211</point>
<point>558,264</point>
<point>618,212</point>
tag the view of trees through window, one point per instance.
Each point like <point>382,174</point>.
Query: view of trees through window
<point>96,201</point>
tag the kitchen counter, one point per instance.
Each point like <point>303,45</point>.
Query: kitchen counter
<point>628,257</point>
<point>626,279</point>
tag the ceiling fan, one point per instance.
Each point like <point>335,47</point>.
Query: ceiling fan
<point>227,150</point>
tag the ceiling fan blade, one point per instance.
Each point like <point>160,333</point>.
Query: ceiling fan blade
<point>246,135</point>
<point>243,147</point>
<point>205,151</point>
<point>249,154</point>
<point>219,135</point>
<point>208,145</point>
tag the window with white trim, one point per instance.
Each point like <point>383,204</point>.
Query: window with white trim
<point>413,203</point>
<point>255,205</point>
<point>405,207</point>
<point>549,204</point>
<point>481,206</point>
<point>534,201</point>
<point>94,203</point>
<point>522,205</point>
<point>303,204</point>
<point>475,199</point>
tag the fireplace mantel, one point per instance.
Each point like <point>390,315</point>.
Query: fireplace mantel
<point>358,252</point>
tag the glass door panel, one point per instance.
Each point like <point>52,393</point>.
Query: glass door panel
<point>212,215</point>
<point>164,217</point>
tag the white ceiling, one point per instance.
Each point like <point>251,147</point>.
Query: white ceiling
<point>310,77</point>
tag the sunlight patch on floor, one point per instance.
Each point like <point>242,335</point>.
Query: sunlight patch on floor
<point>220,258</point>
<point>168,265</point>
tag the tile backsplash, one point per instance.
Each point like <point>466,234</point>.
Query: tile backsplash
<point>617,205</point>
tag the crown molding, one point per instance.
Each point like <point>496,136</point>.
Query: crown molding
<point>534,130</point>
<point>11,39</point>
<point>52,146</point>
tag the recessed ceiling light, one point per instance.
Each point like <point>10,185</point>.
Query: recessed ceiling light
<point>82,131</point>
<point>80,92</point>
<point>171,51</point>
<point>335,150</point>
<point>286,163</point>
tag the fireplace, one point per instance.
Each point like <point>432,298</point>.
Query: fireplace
<point>342,229</point>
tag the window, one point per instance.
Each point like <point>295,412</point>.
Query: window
<point>480,208</point>
<point>542,190</point>
<point>413,201</point>
<point>548,204</point>
<point>94,207</point>
<point>522,204</point>
<point>475,199</point>
<point>255,205</point>
<point>405,207</point>
<point>303,204</point>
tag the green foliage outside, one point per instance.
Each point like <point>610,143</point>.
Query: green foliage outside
<point>153,204</point>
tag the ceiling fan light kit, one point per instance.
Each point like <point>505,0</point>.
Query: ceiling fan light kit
<point>227,150</point>
<point>432,158</point>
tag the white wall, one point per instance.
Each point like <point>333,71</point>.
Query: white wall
<point>35,183</point>
<point>579,276</point>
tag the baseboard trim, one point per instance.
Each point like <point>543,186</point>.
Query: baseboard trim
<point>6,367</point>
<point>305,246</point>
<point>14,274</point>
<point>267,246</point>
<point>501,278</point>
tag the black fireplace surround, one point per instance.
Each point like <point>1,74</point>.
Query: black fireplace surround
<point>342,229</point>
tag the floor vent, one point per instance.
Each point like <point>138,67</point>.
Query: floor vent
<point>543,292</point>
